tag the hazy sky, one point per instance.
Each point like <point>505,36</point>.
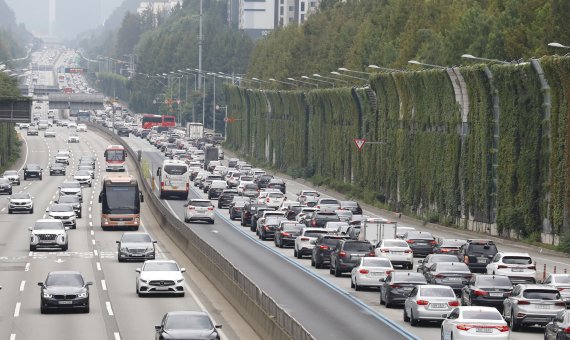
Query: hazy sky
<point>72,17</point>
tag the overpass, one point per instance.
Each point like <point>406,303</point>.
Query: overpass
<point>75,101</point>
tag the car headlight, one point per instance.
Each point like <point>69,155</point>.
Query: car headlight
<point>124,250</point>
<point>48,295</point>
<point>82,295</point>
<point>178,281</point>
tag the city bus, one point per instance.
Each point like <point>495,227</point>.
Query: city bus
<point>83,116</point>
<point>115,157</point>
<point>148,121</point>
<point>120,200</point>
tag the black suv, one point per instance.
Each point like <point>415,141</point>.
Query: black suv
<point>347,254</point>
<point>64,290</point>
<point>421,242</point>
<point>248,211</point>
<point>486,290</point>
<point>477,254</point>
<point>324,244</point>
<point>33,171</point>
<point>226,197</point>
<point>318,219</point>
<point>263,180</point>
<point>276,183</point>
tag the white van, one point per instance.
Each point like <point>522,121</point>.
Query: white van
<point>174,178</point>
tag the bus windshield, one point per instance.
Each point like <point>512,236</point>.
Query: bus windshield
<point>121,199</point>
<point>115,155</point>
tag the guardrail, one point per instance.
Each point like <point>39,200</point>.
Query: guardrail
<point>263,314</point>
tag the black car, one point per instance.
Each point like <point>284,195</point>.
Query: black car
<point>286,233</point>
<point>353,206</point>
<point>318,219</point>
<point>33,171</point>
<point>5,186</point>
<point>277,183</point>
<point>232,162</point>
<point>426,263</point>
<point>226,197</point>
<point>247,213</point>
<point>73,201</point>
<point>184,325</point>
<point>269,227</point>
<point>88,160</point>
<point>258,213</point>
<point>123,131</point>
<point>347,254</point>
<point>56,169</point>
<point>448,246</point>
<point>263,180</point>
<point>396,288</point>
<point>64,290</point>
<point>236,207</point>
<point>135,246</point>
<point>559,327</point>
<point>324,245</point>
<point>477,254</point>
<point>453,274</point>
<point>421,242</point>
<point>486,290</point>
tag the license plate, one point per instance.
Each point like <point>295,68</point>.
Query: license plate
<point>120,223</point>
<point>438,305</point>
<point>482,259</point>
<point>543,306</point>
<point>376,274</point>
<point>357,255</point>
<point>496,294</point>
<point>161,288</point>
<point>517,270</point>
<point>484,330</point>
<point>65,302</point>
<point>397,252</point>
<point>453,279</point>
<point>174,187</point>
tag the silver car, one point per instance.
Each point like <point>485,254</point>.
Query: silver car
<point>136,246</point>
<point>429,303</point>
<point>562,283</point>
<point>532,304</point>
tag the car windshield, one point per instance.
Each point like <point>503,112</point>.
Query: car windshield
<point>160,266</point>
<point>75,185</point>
<point>437,292</point>
<point>310,193</point>
<point>493,281</point>
<point>293,227</point>
<point>187,321</point>
<point>135,238</point>
<point>562,279</point>
<point>200,203</point>
<point>328,201</point>
<point>4,181</point>
<point>357,246</point>
<point>541,294</point>
<point>452,267</point>
<point>443,258</point>
<point>517,260</point>
<point>416,235</point>
<point>10,173</point>
<point>395,243</point>
<point>275,195</point>
<point>33,167</point>
<point>481,315</point>
<point>376,262</point>
<point>67,280</point>
<point>48,225</point>
<point>20,196</point>
<point>82,173</point>
<point>315,233</point>
<point>60,208</point>
<point>175,169</point>
<point>483,249</point>
<point>452,243</point>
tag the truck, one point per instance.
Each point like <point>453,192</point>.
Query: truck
<point>194,130</point>
<point>374,230</point>
<point>210,154</point>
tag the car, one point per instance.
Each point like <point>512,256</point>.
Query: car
<point>319,219</point>
<point>83,177</point>
<point>32,131</point>
<point>421,242</point>
<point>49,133</point>
<point>467,322</point>
<point>347,254</point>
<point>64,213</point>
<point>328,203</point>
<point>562,283</point>
<point>351,206</point>
<point>559,327</point>
<point>248,211</point>
<point>5,186</point>
<point>344,215</point>
<point>305,242</point>
<point>277,183</point>
<point>262,179</point>
<point>519,267</point>
<point>62,157</point>
<point>160,277</point>
<point>259,213</point>
<point>486,290</point>
<point>286,233</point>
<point>72,125</point>
<point>57,169</point>
<point>123,132</point>
<point>248,189</point>
<point>13,176</point>
<point>428,261</point>
<point>33,171</point>
<point>215,188</point>
<point>64,290</point>
<point>69,187</point>
<point>429,303</point>
<point>199,210</point>
<point>397,251</point>
<point>268,227</point>
<point>401,231</point>
<point>135,246</point>
<point>226,197</point>
<point>88,168</point>
<point>73,201</point>
<point>182,325</point>
<point>448,246</point>
<point>452,274</point>
<point>532,304</point>
<point>21,201</point>
<point>369,271</point>
<point>477,254</point>
<point>397,286</point>
<point>271,199</point>
<point>73,138</point>
<point>322,248</point>
<point>81,128</point>
<point>232,162</point>
<point>88,159</point>
<point>48,233</point>
<point>236,207</point>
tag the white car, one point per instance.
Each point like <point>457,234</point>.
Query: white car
<point>62,157</point>
<point>305,242</point>
<point>274,199</point>
<point>199,210</point>
<point>64,213</point>
<point>369,271</point>
<point>21,202</point>
<point>83,177</point>
<point>160,277</point>
<point>72,125</point>
<point>71,188</point>
<point>519,267</point>
<point>49,133</point>
<point>73,139</point>
<point>48,233</point>
<point>328,203</point>
<point>13,176</point>
<point>397,251</point>
<point>81,128</point>
<point>562,283</point>
<point>469,322</point>
<point>308,197</point>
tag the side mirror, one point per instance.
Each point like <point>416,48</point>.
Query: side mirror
<point>138,270</point>
<point>154,241</point>
<point>41,284</point>
<point>158,171</point>
<point>157,328</point>
<point>89,283</point>
<point>383,279</point>
<point>218,326</point>
<point>142,198</point>
<point>420,261</point>
<point>183,270</point>
<point>30,228</point>
<point>66,228</point>
<point>118,242</point>
<point>186,204</point>
<point>100,196</point>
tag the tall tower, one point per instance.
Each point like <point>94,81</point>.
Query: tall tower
<point>51,18</point>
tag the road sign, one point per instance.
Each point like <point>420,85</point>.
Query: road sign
<point>359,143</point>
<point>230,119</point>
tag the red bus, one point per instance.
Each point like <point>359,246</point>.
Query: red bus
<point>148,121</point>
<point>115,157</point>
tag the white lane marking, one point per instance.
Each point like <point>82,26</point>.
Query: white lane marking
<point>27,269</point>
<point>117,336</point>
<point>12,336</point>
<point>50,202</point>
<point>109,309</point>
<point>90,224</point>
<point>31,253</point>
<point>93,242</point>
<point>91,202</point>
<point>17,310</point>
<point>22,285</point>
<point>44,216</point>
<point>90,217</point>
<point>92,232</point>
<point>89,210</point>
<point>95,252</point>
<point>3,209</point>
<point>99,266</point>
<point>103,285</point>
<point>23,164</point>
<point>173,212</point>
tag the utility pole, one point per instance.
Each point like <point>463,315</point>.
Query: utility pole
<point>200,43</point>
<point>214,106</point>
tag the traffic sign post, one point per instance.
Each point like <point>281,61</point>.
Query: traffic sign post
<point>359,143</point>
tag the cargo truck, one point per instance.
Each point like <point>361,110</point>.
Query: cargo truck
<point>376,229</point>
<point>194,131</point>
<point>210,154</point>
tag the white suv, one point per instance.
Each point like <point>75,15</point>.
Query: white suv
<point>21,202</point>
<point>48,233</point>
<point>63,212</point>
<point>305,242</point>
<point>199,210</point>
<point>519,267</point>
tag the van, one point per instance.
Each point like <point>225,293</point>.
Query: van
<point>174,179</point>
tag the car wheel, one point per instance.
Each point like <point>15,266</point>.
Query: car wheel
<point>331,269</point>
<point>294,252</point>
<point>86,309</point>
<point>32,211</point>
<point>356,286</point>
<point>388,302</point>
<point>351,283</point>
<point>212,222</point>
<point>64,248</point>
<point>337,271</point>
<point>312,261</point>
<point>186,220</point>
<point>32,248</point>
<point>9,211</point>
<point>406,318</point>
<point>43,309</point>
<point>318,264</point>
<point>515,326</point>
<point>411,266</point>
<point>280,244</point>
<point>441,333</point>
<point>120,259</point>
<point>180,294</point>
<point>413,321</point>
<point>381,296</point>
<point>299,255</point>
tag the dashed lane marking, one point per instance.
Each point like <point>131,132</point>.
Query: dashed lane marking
<point>27,268</point>
<point>99,266</point>
<point>17,310</point>
<point>109,308</point>
<point>22,285</point>
<point>103,285</point>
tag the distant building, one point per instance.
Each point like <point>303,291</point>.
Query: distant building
<point>259,17</point>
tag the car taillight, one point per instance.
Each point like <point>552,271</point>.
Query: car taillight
<point>566,330</point>
<point>463,327</point>
<point>502,267</point>
<point>453,303</point>
<point>267,200</point>
<point>371,254</point>
<point>364,271</point>
<point>285,234</point>
<point>266,227</point>
<point>422,303</point>
<point>523,302</point>
<point>407,251</point>
<point>480,293</point>
<point>323,247</point>
<point>433,243</point>
<point>342,254</point>
<point>210,208</point>
<point>560,303</point>
<point>439,276</point>
<point>384,250</point>
<point>314,223</point>
<point>187,186</point>
<point>161,185</point>
<point>305,239</point>
<point>388,272</point>
<point>191,207</point>
<point>395,286</point>
<point>466,259</point>
<point>532,267</point>
<point>561,289</point>
<point>410,241</point>
<point>502,328</point>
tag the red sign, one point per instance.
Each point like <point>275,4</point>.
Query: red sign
<point>359,143</point>
<point>229,120</point>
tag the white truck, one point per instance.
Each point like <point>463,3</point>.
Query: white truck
<point>376,229</point>
<point>194,130</point>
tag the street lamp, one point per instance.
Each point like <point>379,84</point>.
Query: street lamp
<point>322,81</point>
<point>283,82</point>
<point>347,70</point>
<point>346,75</point>
<point>383,68</point>
<point>469,56</point>
<point>415,62</point>
<point>559,45</point>
<point>304,82</point>
<point>330,78</point>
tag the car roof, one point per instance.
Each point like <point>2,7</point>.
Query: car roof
<point>506,253</point>
<point>187,312</point>
<point>200,200</point>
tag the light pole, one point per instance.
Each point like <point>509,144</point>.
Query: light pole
<point>214,103</point>
<point>225,107</point>
<point>304,82</point>
<point>283,82</point>
<point>322,81</point>
<point>469,56</point>
<point>347,70</point>
<point>346,75</point>
<point>330,78</point>
<point>376,67</point>
<point>415,62</point>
